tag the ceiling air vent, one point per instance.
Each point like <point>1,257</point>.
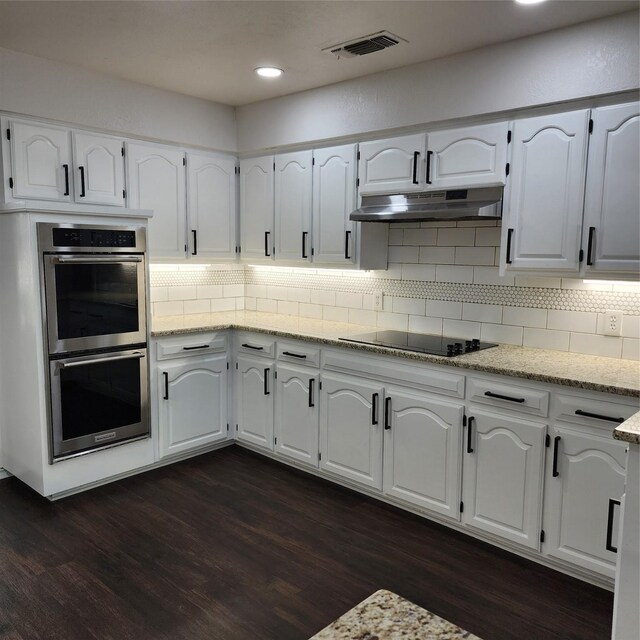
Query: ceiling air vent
<point>365,45</point>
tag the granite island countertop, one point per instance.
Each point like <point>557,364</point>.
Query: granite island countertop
<point>629,430</point>
<point>595,373</point>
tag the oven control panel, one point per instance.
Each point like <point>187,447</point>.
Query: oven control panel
<point>102,238</point>
<point>88,238</point>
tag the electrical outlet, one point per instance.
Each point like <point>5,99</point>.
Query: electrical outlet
<point>612,325</point>
<point>377,300</point>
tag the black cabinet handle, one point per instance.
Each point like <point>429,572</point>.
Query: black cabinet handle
<point>509,238</point>
<point>250,346</point>
<point>387,413</point>
<point>266,244</point>
<point>608,545</point>
<point>469,433</point>
<point>598,416</point>
<point>556,443</point>
<point>501,397</point>
<point>374,408</point>
<point>592,233</point>
<point>82,189</point>
<point>428,178</point>
<point>311,394</point>
<point>200,346</point>
<point>66,179</point>
<point>347,245</point>
<point>304,244</point>
<point>266,381</point>
<point>166,385</point>
<point>302,356</point>
<point>195,242</point>
<point>416,155</point>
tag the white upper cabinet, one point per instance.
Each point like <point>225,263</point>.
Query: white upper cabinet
<point>211,205</point>
<point>293,180</point>
<point>156,180</point>
<point>543,214</point>
<point>40,161</point>
<point>467,157</point>
<point>394,164</point>
<point>611,233</point>
<point>256,208</point>
<point>334,198</point>
<point>99,169</point>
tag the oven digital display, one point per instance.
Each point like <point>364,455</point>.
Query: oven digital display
<point>103,238</point>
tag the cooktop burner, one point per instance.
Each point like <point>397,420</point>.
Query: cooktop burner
<point>423,343</point>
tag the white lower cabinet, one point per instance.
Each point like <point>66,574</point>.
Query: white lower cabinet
<point>254,395</point>
<point>584,484</point>
<point>193,403</point>
<point>502,479</point>
<point>351,429</point>
<point>422,451</point>
<point>296,413</point>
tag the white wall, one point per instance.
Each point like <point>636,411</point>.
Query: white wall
<point>46,89</point>
<point>591,59</point>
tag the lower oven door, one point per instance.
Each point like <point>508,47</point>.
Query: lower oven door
<point>97,401</point>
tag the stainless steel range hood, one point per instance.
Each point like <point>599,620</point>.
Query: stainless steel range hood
<point>483,203</point>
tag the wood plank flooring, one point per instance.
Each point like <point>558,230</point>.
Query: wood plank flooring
<point>232,546</point>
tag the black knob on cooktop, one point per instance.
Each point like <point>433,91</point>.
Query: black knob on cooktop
<point>458,347</point>
<point>475,343</point>
<point>468,346</point>
<point>450,350</point>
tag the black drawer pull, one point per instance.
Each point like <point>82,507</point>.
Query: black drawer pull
<point>66,179</point>
<point>195,242</point>
<point>428,177</point>
<point>469,432</point>
<point>266,244</point>
<point>82,189</point>
<point>598,416</point>
<point>592,231</point>
<point>374,408</point>
<point>250,346</point>
<point>166,385</point>
<point>556,443</point>
<point>347,243</point>
<point>200,346</point>
<point>509,239</point>
<point>608,544</point>
<point>266,381</point>
<point>294,355</point>
<point>416,155</point>
<point>304,244</point>
<point>387,413</point>
<point>490,394</point>
<point>311,392</point>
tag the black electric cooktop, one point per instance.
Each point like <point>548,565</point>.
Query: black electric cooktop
<point>421,342</point>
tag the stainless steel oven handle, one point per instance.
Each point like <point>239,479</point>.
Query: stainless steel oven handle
<point>82,363</point>
<point>92,259</point>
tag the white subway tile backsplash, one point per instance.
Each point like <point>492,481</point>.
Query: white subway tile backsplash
<point>310,310</point>
<point>420,237</point>
<point>233,290</point>
<point>482,312</point>
<point>335,314</point>
<point>456,237</point>
<point>491,275</point>
<point>446,273</point>
<point>609,346</point>
<point>396,236</point>
<point>461,329</point>
<point>362,316</point>
<point>423,272</point>
<point>477,223</point>
<point>444,309</point>
<point>172,308</point>
<point>437,255</point>
<point>543,282</point>
<point>475,255</point>
<point>546,339</point>
<point>240,304</point>
<point>209,291</point>
<point>182,293</point>
<point>631,326</point>
<point>414,306</point>
<point>197,306</point>
<point>277,293</point>
<point>630,349</point>
<point>404,254</point>
<point>223,304</point>
<point>250,304</point>
<point>345,299</point>
<point>256,290</point>
<point>397,321</point>
<point>267,305</point>
<point>296,294</point>
<point>578,321</point>
<point>422,324</point>
<point>525,316</point>
<point>437,224</point>
<point>488,237</point>
<point>158,294</point>
<point>323,297</point>
<point>288,308</point>
<point>501,333</point>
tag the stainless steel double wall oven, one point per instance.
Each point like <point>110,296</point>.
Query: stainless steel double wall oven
<point>93,283</point>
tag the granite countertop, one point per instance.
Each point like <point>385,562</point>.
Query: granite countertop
<point>387,616</point>
<point>629,430</point>
<point>596,373</point>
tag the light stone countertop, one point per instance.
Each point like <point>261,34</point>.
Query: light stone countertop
<point>386,616</point>
<point>595,373</point>
<point>629,430</point>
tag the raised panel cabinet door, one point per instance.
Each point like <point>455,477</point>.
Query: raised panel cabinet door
<point>40,162</point>
<point>611,232</point>
<point>351,429</point>
<point>99,169</point>
<point>393,165</point>
<point>254,401</point>
<point>256,208</point>
<point>543,217</point>
<point>585,480</point>
<point>293,187</point>
<point>502,477</point>
<point>156,181</point>
<point>467,157</point>
<point>211,205</point>
<point>422,451</point>
<point>297,414</point>
<point>334,198</point>
<point>193,404</point>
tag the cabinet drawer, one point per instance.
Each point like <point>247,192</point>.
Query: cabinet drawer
<point>255,344</point>
<point>510,396</point>
<point>589,411</point>
<point>300,354</point>
<point>190,345</point>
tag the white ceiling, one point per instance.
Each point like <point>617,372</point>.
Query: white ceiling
<point>209,49</point>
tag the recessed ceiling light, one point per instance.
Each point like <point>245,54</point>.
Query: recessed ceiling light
<point>269,72</point>
<point>530,1</point>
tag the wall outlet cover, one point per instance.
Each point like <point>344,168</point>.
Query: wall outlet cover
<point>612,325</point>
<point>378,296</point>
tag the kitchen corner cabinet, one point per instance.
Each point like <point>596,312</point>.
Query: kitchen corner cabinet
<point>611,231</point>
<point>469,156</point>
<point>545,193</point>
<point>503,474</point>
<point>211,206</point>
<point>256,208</point>
<point>293,192</point>
<point>156,180</point>
<point>193,403</point>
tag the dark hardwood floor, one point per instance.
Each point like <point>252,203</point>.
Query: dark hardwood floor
<point>230,546</point>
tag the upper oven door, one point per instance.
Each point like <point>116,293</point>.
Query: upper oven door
<point>94,301</point>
